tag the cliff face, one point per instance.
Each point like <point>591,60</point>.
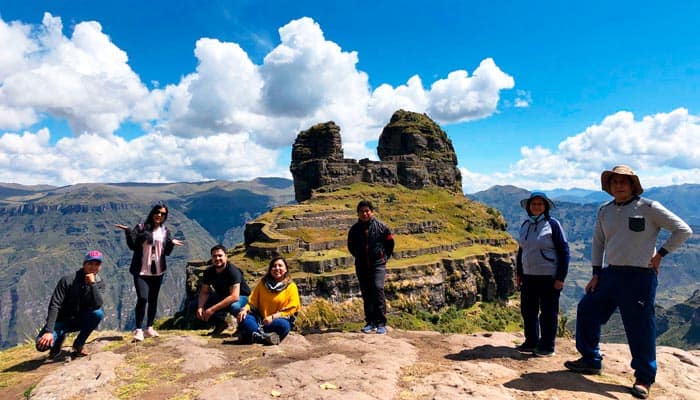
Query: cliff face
<point>413,151</point>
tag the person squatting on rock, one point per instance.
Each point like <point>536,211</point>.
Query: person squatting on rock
<point>542,264</point>
<point>150,242</point>
<point>371,243</point>
<point>625,233</point>
<point>223,291</point>
<point>75,306</point>
<point>272,306</point>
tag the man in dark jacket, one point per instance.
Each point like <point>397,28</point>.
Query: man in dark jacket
<point>371,243</point>
<point>76,305</point>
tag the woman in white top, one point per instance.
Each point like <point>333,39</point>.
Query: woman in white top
<point>151,242</point>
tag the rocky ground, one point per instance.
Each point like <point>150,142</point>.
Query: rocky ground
<point>401,365</point>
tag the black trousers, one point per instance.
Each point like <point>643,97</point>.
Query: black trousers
<point>372,288</point>
<point>147,289</point>
<point>539,305</point>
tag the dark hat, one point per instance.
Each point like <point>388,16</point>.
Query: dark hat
<point>93,255</point>
<point>621,170</point>
<point>524,202</point>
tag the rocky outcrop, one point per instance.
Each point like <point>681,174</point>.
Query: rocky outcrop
<point>413,151</point>
<point>333,365</point>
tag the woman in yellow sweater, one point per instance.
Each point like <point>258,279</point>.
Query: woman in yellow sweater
<point>275,299</point>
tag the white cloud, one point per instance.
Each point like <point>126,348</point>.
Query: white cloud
<point>523,99</point>
<point>31,159</point>
<point>228,119</point>
<point>84,79</point>
<point>664,149</point>
<point>464,98</point>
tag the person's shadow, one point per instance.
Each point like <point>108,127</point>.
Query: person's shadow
<point>487,351</point>
<point>31,365</point>
<point>26,366</point>
<point>564,380</point>
<point>539,381</point>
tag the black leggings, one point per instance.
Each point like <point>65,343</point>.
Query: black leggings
<point>147,289</point>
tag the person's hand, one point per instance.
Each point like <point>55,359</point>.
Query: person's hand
<point>46,340</point>
<point>518,280</point>
<point>121,226</point>
<point>89,279</point>
<point>242,314</point>
<point>558,285</point>
<point>268,320</point>
<point>590,287</point>
<point>207,314</point>
<point>655,262</point>
<point>178,242</point>
<point>200,313</point>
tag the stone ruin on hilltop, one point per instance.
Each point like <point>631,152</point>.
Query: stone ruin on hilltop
<point>413,151</point>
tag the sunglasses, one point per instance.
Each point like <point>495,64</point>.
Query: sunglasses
<point>160,213</point>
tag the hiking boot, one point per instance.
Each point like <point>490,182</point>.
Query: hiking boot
<point>138,335</point>
<point>150,332</point>
<point>640,390</point>
<point>583,367</point>
<point>525,348</point>
<point>544,353</point>
<point>381,330</point>
<point>369,328</point>
<point>257,337</point>
<point>271,339</point>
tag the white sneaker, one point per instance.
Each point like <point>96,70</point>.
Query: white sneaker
<point>150,332</point>
<point>138,335</point>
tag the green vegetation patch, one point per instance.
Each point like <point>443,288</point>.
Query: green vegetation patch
<point>322,315</point>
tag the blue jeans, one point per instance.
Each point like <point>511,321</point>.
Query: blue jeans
<point>86,322</point>
<point>280,326</point>
<point>633,290</point>
<point>539,305</point>
<point>220,315</point>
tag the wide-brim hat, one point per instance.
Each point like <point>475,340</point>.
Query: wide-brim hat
<point>621,170</point>
<point>524,202</point>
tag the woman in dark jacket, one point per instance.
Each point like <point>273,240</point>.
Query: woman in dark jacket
<point>150,242</point>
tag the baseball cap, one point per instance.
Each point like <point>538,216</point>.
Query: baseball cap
<point>93,255</point>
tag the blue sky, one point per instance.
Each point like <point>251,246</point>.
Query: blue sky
<point>542,95</point>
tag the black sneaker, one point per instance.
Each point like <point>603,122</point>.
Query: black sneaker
<point>54,353</point>
<point>543,353</point>
<point>583,367</point>
<point>271,339</point>
<point>257,337</point>
<point>219,329</point>
<point>525,348</point>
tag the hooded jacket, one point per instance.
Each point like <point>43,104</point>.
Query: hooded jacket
<point>543,248</point>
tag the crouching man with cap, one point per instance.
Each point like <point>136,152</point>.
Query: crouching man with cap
<point>625,233</point>
<point>75,306</point>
